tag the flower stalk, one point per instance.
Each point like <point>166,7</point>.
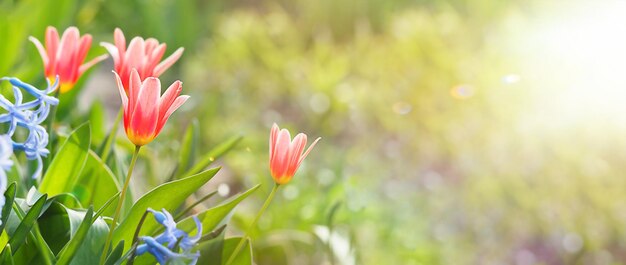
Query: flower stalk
<point>108,143</point>
<point>120,202</point>
<point>253,224</point>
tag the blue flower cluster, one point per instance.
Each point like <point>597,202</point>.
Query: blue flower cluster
<point>163,247</point>
<point>29,115</point>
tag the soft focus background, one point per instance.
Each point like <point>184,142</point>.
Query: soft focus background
<point>454,132</point>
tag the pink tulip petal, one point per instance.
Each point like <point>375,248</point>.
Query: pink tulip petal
<point>67,61</point>
<point>282,152</point>
<point>83,47</point>
<point>308,150</point>
<point>150,45</point>
<point>135,56</point>
<point>52,44</point>
<point>168,62</point>
<point>134,89</point>
<point>295,150</point>
<point>113,51</point>
<point>120,41</point>
<point>153,59</point>
<point>42,51</point>
<point>169,96</point>
<point>273,135</point>
<point>91,63</point>
<point>163,119</point>
<point>122,92</point>
<point>145,116</point>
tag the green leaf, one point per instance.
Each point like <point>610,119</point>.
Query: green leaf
<point>107,204</point>
<point>68,163</point>
<point>64,225</point>
<point>97,121</point>
<point>188,148</point>
<point>211,250</point>
<point>67,253</point>
<point>5,257</point>
<point>67,199</point>
<point>213,155</point>
<point>213,217</point>
<point>19,236</point>
<point>116,254</point>
<point>169,196</point>
<point>9,196</point>
<point>245,254</point>
<point>96,183</point>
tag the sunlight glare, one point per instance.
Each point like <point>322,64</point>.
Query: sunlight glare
<point>582,61</point>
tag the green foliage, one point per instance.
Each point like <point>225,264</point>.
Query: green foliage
<point>96,183</point>
<point>166,196</point>
<point>67,164</point>
<point>245,255</point>
<point>213,217</point>
<point>212,155</point>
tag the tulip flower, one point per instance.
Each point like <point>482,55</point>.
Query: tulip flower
<point>145,110</point>
<point>286,155</point>
<point>285,159</point>
<point>64,57</point>
<point>145,113</point>
<point>143,55</point>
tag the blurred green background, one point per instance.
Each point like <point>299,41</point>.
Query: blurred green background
<point>453,132</point>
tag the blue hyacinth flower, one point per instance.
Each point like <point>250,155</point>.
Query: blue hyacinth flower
<point>162,247</point>
<point>29,115</point>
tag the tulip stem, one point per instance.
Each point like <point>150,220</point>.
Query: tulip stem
<point>107,243</point>
<point>108,143</point>
<point>256,219</point>
<point>50,130</point>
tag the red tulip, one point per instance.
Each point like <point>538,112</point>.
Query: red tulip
<point>64,57</point>
<point>286,155</point>
<point>145,110</point>
<point>143,55</point>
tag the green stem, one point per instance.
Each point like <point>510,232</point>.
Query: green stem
<point>131,258</point>
<point>49,129</point>
<point>111,137</point>
<point>256,219</point>
<point>107,243</point>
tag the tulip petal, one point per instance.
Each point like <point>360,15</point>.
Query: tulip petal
<point>120,41</point>
<point>83,47</point>
<point>153,59</point>
<point>282,153</point>
<point>91,63</point>
<point>113,51</point>
<point>52,44</point>
<point>168,62</point>
<point>135,56</point>
<point>67,61</point>
<point>295,150</point>
<point>42,51</point>
<point>273,136</point>
<point>134,89</point>
<point>308,150</point>
<point>177,103</point>
<point>149,45</point>
<point>169,96</point>
<point>122,92</point>
<point>145,116</point>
